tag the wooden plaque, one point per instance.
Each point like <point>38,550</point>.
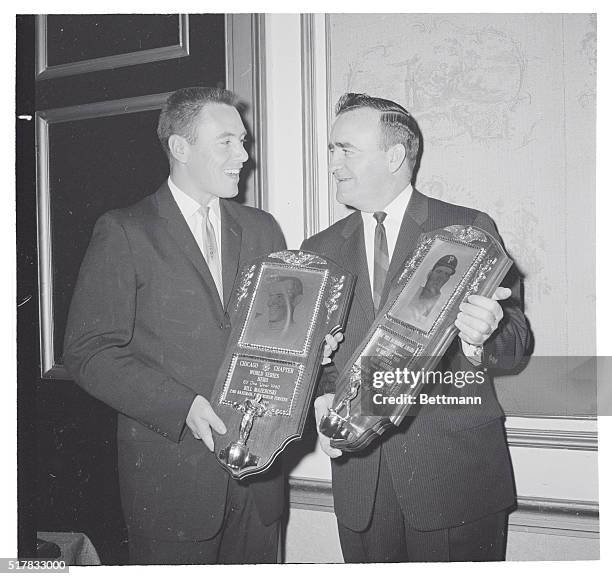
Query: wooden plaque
<point>413,330</point>
<point>286,304</point>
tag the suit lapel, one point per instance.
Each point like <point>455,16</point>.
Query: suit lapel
<point>410,229</point>
<point>354,260</point>
<point>179,230</point>
<point>231,239</point>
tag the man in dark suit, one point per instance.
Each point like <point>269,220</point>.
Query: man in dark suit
<point>147,330</point>
<point>438,487</point>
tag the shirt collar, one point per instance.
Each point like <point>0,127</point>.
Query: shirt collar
<point>396,209</point>
<point>189,206</point>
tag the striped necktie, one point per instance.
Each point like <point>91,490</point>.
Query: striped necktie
<point>211,250</point>
<point>381,258</point>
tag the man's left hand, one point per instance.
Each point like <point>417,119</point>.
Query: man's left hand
<point>331,345</point>
<point>479,317</point>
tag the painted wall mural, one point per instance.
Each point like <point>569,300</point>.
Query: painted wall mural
<point>506,104</point>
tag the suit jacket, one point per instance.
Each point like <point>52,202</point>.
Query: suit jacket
<point>146,333</point>
<point>448,465</point>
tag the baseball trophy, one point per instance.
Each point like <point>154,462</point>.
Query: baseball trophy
<point>412,331</point>
<point>285,305</point>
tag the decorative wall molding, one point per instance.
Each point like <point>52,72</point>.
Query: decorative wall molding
<point>556,516</point>
<point>104,108</point>
<point>49,366</point>
<point>533,514</point>
<point>310,494</point>
<point>246,76</point>
<point>314,49</point>
<point>309,126</point>
<point>44,71</point>
<point>554,439</point>
<point>258,36</point>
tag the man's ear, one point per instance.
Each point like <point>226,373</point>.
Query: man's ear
<point>396,155</point>
<point>179,148</point>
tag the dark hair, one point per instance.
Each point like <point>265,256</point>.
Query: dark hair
<point>183,106</point>
<point>397,125</point>
<point>298,288</point>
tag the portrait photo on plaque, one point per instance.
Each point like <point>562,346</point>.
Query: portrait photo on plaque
<point>283,307</point>
<point>436,281</point>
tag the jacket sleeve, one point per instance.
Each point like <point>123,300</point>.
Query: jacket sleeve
<point>98,350</point>
<point>278,237</point>
<point>510,344</point>
<point>326,383</point>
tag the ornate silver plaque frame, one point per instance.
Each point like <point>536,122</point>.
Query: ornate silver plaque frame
<point>285,305</point>
<point>414,328</point>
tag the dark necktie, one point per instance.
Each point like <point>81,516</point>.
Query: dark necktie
<point>381,258</point>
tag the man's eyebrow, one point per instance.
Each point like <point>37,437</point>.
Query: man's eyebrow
<point>341,145</point>
<point>230,134</point>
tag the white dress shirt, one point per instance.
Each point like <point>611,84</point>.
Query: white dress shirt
<point>395,213</point>
<point>190,209</point>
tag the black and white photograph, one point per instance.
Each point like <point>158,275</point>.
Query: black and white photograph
<point>284,305</point>
<point>433,284</point>
<point>159,152</point>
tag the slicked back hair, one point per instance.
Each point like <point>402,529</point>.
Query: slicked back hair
<point>397,125</point>
<point>182,107</point>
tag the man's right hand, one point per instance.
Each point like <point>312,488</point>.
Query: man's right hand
<point>201,418</point>
<point>322,406</point>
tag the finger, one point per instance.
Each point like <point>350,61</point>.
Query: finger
<point>325,361</point>
<point>319,414</point>
<point>475,323</point>
<point>323,403</point>
<point>339,336</point>
<point>479,313</point>
<point>215,422</point>
<point>192,425</point>
<point>463,326</point>
<point>469,335</point>
<point>486,303</point>
<point>321,407</point>
<point>502,293</point>
<point>327,448</point>
<point>327,350</point>
<point>207,437</point>
<point>331,342</point>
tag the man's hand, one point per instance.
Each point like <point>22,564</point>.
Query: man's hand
<point>479,318</point>
<point>201,418</point>
<point>331,345</point>
<point>322,405</point>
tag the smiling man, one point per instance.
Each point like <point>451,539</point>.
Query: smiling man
<point>438,487</point>
<point>147,330</point>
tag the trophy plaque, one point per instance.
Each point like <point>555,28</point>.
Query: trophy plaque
<point>286,303</point>
<point>413,330</point>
